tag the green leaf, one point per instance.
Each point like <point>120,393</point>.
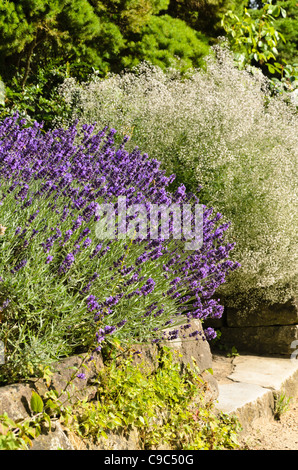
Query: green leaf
<point>274,50</point>
<point>271,68</point>
<point>48,419</point>
<point>276,11</point>
<point>104,434</point>
<point>283,12</point>
<point>36,403</point>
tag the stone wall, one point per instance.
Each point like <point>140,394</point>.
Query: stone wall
<point>15,399</point>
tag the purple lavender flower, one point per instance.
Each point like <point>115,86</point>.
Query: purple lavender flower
<point>109,329</point>
<point>87,242</point>
<point>67,236</point>
<point>95,251</point>
<point>92,303</point>
<point>77,223</point>
<point>81,376</point>
<point>33,216</point>
<point>4,305</point>
<point>19,266</point>
<point>23,192</point>
<point>209,334</point>
<point>173,334</point>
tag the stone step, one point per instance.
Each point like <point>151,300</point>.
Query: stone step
<point>249,384</point>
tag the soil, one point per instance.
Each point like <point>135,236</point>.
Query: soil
<point>277,434</point>
<point>281,434</point>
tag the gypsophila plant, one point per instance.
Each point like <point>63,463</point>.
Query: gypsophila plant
<point>220,129</point>
<point>61,286</point>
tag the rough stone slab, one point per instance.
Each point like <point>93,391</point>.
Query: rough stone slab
<point>63,372</point>
<point>271,340</point>
<point>264,314</point>
<point>251,386</point>
<point>270,372</point>
<point>251,403</point>
<point>234,396</point>
<point>114,441</point>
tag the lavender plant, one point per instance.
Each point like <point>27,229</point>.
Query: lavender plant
<point>62,290</point>
<point>220,129</point>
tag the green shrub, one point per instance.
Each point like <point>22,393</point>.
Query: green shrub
<point>288,26</point>
<point>255,39</point>
<point>167,41</point>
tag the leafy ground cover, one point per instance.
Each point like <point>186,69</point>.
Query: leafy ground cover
<point>163,407</point>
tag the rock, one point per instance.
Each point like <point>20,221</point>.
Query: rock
<point>264,314</point>
<point>275,373</point>
<point>252,404</point>
<point>145,353</point>
<point>120,441</point>
<point>55,439</point>
<point>274,340</point>
<point>198,349</point>
<point>15,401</point>
<point>251,386</point>
<point>65,370</point>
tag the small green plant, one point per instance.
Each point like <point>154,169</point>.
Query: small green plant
<point>16,435</point>
<point>281,404</point>
<point>233,352</point>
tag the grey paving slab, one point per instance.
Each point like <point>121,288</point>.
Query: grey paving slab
<point>235,396</point>
<point>268,372</point>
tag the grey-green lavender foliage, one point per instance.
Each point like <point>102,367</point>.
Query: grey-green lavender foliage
<point>217,128</point>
